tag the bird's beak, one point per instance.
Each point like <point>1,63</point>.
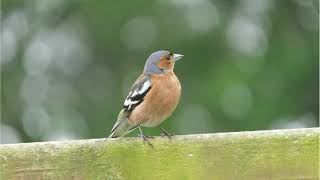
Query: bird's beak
<point>176,57</point>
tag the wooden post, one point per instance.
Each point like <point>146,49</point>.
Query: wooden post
<point>275,154</point>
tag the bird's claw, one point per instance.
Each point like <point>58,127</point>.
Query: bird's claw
<point>165,133</point>
<point>146,139</point>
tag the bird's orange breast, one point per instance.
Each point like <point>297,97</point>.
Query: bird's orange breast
<point>160,102</point>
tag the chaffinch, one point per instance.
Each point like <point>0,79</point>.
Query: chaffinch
<point>152,98</point>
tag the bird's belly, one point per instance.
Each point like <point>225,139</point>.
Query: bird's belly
<point>159,115</point>
<point>159,106</point>
<point>161,112</point>
<point>152,123</point>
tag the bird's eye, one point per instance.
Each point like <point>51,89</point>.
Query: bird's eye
<point>168,56</point>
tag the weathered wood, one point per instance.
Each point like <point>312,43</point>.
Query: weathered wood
<point>276,154</point>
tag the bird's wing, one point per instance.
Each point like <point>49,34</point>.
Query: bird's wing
<point>139,90</point>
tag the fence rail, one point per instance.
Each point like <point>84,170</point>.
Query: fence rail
<point>274,154</point>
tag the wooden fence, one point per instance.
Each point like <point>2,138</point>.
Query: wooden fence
<point>274,154</point>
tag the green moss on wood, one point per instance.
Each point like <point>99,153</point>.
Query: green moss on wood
<point>280,154</point>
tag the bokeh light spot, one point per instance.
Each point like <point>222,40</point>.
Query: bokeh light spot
<point>236,101</point>
<point>35,121</point>
<point>138,33</point>
<point>9,134</point>
<point>246,37</point>
<point>193,118</point>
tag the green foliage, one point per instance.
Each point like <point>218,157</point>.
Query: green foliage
<point>245,67</point>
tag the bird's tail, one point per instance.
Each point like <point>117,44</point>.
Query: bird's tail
<point>123,126</point>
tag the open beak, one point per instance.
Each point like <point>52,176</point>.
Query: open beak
<point>176,57</point>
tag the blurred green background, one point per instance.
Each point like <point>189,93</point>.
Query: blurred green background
<point>66,66</point>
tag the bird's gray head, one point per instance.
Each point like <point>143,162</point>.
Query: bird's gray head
<point>161,62</point>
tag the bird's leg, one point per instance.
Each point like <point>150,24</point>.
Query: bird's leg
<point>145,138</point>
<point>165,133</point>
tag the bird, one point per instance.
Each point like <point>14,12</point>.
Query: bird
<point>153,97</point>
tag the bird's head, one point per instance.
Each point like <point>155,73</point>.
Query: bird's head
<point>161,62</point>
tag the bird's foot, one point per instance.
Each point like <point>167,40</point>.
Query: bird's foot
<point>166,133</point>
<point>146,139</point>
